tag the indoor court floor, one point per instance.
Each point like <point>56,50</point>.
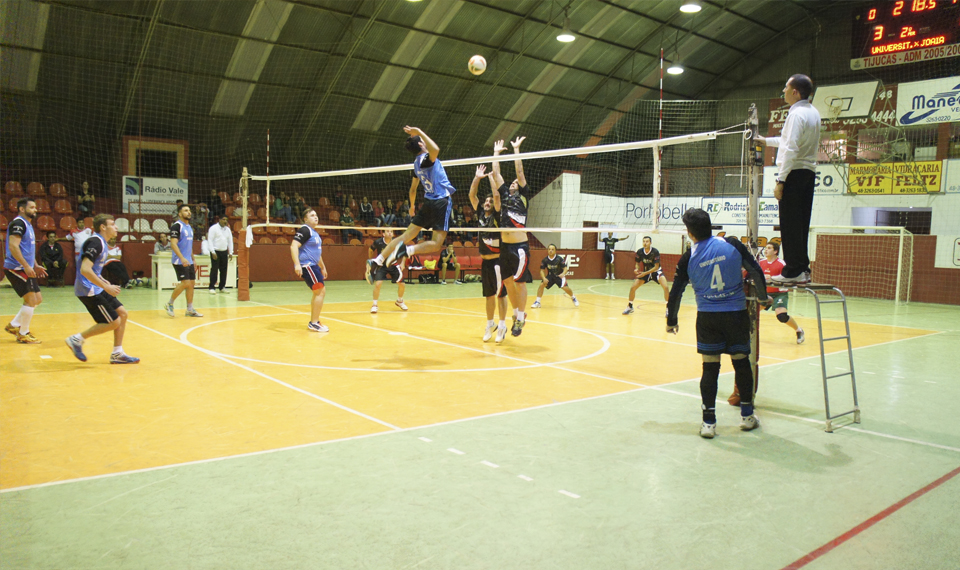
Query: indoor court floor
<point>401,440</point>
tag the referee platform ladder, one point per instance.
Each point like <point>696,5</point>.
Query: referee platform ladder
<point>821,295</point>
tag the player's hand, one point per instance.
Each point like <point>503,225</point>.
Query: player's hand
<point>30,272</point>
<point>413,131</point>
<point>112,290</point>
<point>324,271</point>
<point>298,270</point>
<point>41,271</point>
<point>759,139</point>
<point>516,144</point>
<point>498,147</point>
<point>213,255</point>
<point>673,329</point>
<point>545,283</point>
<point>481,171</point>
<point>778,191</point>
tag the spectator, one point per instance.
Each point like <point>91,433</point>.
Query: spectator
<point>298,206</point>
<point>85,201</point>
<point>79,235</point>
<point>215,205</point>
<point>389,215</point>
<point>200,220</point>
<point>282,210</point>
<point>347,221</point>
<point>163,245</point>
<point>366,211</point>
<point>339,200</point>
<point>51,257</point>
<point>378,213</point>
<point>176,209</point>
<point>114,271</point>
<point>448,260</point>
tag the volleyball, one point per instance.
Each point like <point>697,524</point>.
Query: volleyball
<point>477,65</point>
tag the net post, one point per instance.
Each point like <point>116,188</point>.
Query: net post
<point>656,188</point>
<point>899,265</point>
<point>755,161</point>
<point>243,253</point>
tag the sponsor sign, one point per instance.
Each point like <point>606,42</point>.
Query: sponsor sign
<point>733,211</point>
<point>830,179</point>
<point>639,211</point>
<point>912,56</point>
<point>883,113</point>
<point>896,178</point>
<point>152,195</point>
<point>845,101</point>
<point>929,102</point>
<point>951,175</point>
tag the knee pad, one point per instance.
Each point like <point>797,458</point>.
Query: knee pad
<point>783,317</point>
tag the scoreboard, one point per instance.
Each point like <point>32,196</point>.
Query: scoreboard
<point>905,31</point>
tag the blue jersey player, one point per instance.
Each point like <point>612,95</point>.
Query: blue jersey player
<point>98,295</point>
<point>181,242</point>
<point>433,214</point>
<point>713,265</point>
<point>306,249</point>
<point>20,266</point>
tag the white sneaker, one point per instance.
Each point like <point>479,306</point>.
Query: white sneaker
<point>317,327</point>
<point>613,278</point>
<point>401,304</point>
<point>193,313</point>
<point>708,431</point>
<point>501,333</point>
<point>488,332</point>
<point>800,337</point>
<point>575,302</point>
<point>535,305</point>
<point>213,291</point>
<point>607,277</point>
<point>749,422</point>
<point>444,282</point>
<point>373,309</point>
<point>628,310</point>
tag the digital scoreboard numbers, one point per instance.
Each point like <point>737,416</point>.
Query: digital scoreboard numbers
<point>905,31</point>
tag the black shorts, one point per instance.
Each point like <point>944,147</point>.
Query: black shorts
<point>515,261</point>
<point>21,283</point>
<point>102,307</point>
<point>607,257</point>
<point>491,278</point>
<point>391,274</point>
<point>450,266</point>
<point>185,272</point>
<point>434,214</point>
<point>726,332</point>
<point>312,276</point>
<point>560,282</point>
<point>655,277</point>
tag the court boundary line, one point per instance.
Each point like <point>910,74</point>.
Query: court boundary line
<point>659,388</point>
<point>270,378</point>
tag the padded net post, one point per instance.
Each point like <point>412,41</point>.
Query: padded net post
<point>243,252</point>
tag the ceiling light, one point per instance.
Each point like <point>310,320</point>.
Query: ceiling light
<point>675,69</point>
<point>565,36</point>
<point>691,6</point>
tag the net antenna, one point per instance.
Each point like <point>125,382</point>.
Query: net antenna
<point>754,161</point>
<point>243,251</point>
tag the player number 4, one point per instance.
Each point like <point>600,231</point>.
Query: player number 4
<point>717,281</point>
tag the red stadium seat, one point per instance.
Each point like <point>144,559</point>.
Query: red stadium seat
<point>282,239</point>
<point>68,223</point>
<point>43,207</point>
<point>62,207</point>
<point>13,205</point>
<point>254,200</point>
<point>333,216</point>
<point>237,227</point>
<point>262,213</point>
<point>46,224</point>
<point>3,222</point>
<point>274,230</point>
<point>234,212</point>
<point>13,188</point>
<point>36,189</point>
<point>324,201</point>
<point>259,231</point>
<point>225,199</point>
<point>88,222</point>
<point>287,230</point>
<point>468,244</point>
<point>328,241</point>
<point>57,190</point>
<point>265,239</point>
<point>355,241</point>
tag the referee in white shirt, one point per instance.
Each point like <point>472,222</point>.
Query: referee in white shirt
<point>798,145</point>
<point>220,242</point>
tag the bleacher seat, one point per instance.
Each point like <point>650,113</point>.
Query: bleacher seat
<point>265,239</point>
<point>58,190</point>
<point>287,230</point>
<point>62,207</point>
<point>334,216</point>
<point>68,223</point>
<point>46,224</point>
<point>328,241</point>
<point>3,222</point>
<point>148,237</point>
<point>468,244</point>
<point>355,241</point>
<point>140,225</point>
<point>282,239</point>
<point>13,205</point>
<point>13,188</point>
<point>237,227</point>
<point>233,212</point>
<point>262,213</point>
<point>160,226</point>
<point>225,198</point>
<point>129,237</point>
<point>123,224</point>
<point>36,189</point>
<point>43,206</point>
<point>324,201</point>
<point>254,199</point>
<point>274,230</point>
<point>88,222</point>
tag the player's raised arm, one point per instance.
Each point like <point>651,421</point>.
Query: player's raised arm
<point>518,164</point>
<point>497,177</point>
<point>475,185</point>
<point>432,149</point>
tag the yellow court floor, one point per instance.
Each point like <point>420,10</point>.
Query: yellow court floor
<point>251,378</point>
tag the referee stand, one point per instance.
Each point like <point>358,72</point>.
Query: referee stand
<point>822,295</point>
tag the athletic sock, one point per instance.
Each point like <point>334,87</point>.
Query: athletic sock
<point>26,313</point>
<point>78,338</point>
<point>523,316</point>
<point>374,303</point>
<point>16,319</point>
<point>503,323</point>
<point>516,313</point>
<point>746,410</point>
<point>379,259</point>
<point>538,299</point>
<point>709,414</point>
<point>743,376</point>
<point>170,302</point>
<point>189,306</point>
<point>490,322</point>
<point>117,350</point>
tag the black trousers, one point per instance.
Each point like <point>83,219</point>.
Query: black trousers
<point>219,264</point>
<point>795,208</point>
<point>54,273</point>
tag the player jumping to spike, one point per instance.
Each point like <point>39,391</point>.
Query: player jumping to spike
<point>515,252</point>
<point>647,270</point>
<point>553,271</point>
<point>433,214</point>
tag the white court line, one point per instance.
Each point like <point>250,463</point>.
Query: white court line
<point>270,378</point>
<point>455,450</point>
<point>488,464</point>
<point>569,494</point>
<point>660,388</point>
<point>525,478</point>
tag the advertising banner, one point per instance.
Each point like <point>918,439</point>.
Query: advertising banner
<point>929,102</point>
<point>830,179</point>
<point>152,195</point>
<point>733,211</point>
<point>896,178</point>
